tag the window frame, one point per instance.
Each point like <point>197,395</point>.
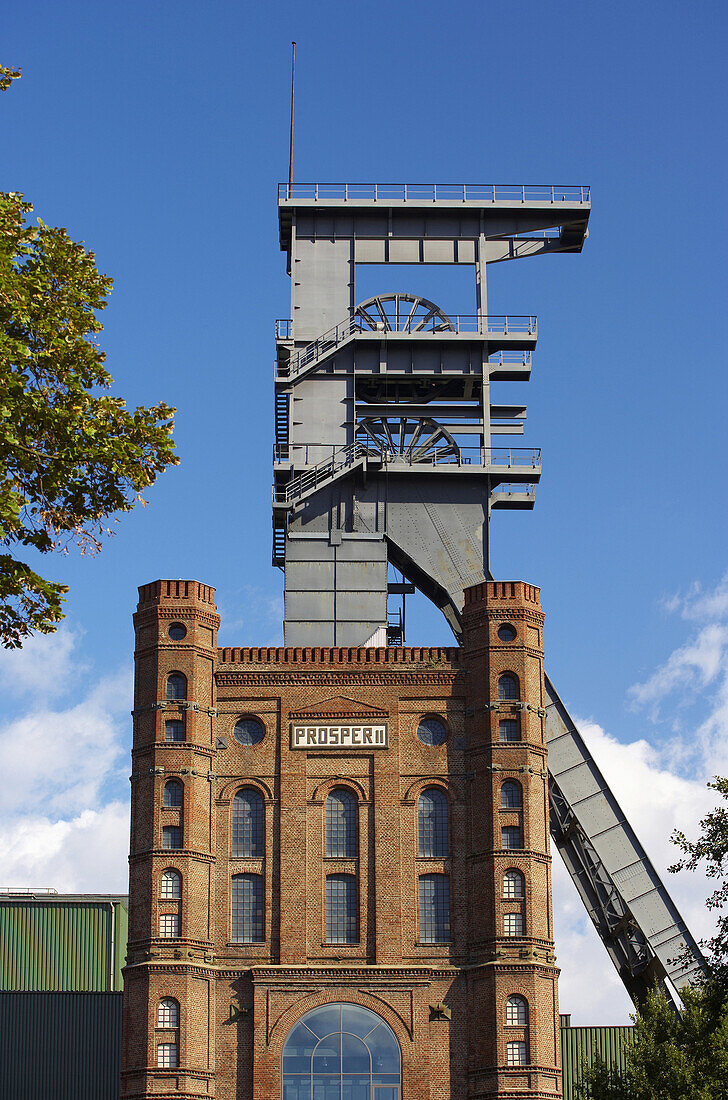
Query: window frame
<point>173,784</point>
<point>438,879</point>
<point>522,882</point>
<point>508,677</point>
<point>437,830</point>
<point>346,831</point>
<point>257,825</point>
<point>517,1004</point>
<point>257,909</point>
<point>511,785</point>
<point>519,1046</point>
<point>162,881</point>
<point>166,1004</point>
<point>349,918</point>
<point>167,830</point>
<point>178,677</point>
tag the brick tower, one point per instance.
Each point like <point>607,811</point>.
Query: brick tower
<point>340,872</point>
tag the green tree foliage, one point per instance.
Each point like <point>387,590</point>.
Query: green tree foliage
<point>71,455</point>
<point>685,1056</point>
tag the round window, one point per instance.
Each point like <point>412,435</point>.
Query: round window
<point>248,731</point>
<point>177,631</point>
<point>506,632</point>
<point>432,731</point>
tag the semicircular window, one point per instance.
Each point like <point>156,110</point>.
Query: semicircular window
<point>341,1050</point>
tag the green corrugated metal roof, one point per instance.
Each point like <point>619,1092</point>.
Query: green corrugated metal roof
<point>581,1045</point>
<point>62,944</point>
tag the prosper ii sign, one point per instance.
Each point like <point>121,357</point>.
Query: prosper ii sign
<point>350,736</point>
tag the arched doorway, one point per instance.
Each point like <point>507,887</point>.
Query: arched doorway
<point>341,1052</point>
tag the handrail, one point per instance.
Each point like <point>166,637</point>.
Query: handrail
<point>343,457</point>
<point>437,192</point>
<point>462,324</point>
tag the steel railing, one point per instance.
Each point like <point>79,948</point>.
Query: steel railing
<point>284,328</point>
<point>436,192</point>
<point>342,458</point>
<point>460,324</point>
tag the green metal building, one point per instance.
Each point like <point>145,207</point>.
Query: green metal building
<point>61,959</point>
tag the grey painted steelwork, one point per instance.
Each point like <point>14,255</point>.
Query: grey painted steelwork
<point>639,925</point>
<point>384,430</point>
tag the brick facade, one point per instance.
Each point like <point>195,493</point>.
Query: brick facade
<point>445,1002</point>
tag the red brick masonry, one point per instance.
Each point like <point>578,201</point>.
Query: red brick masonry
<point>446,1003</point>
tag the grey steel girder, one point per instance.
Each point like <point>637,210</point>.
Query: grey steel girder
<point>384,455</point>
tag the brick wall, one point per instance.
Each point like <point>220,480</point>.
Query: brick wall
<point>445,1002</point>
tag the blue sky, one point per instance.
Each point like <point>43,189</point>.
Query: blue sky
<point>157,132</point>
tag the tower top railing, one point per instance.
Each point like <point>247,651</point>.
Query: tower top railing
<point>488,193</point>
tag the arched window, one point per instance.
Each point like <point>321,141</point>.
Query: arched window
<point>513,885</point>
<point>433,840</point>
<point>173,794</point>
<point>341,831</point>
<point>168,1013</point>
<point>434,909</point>
<point>517,1011</point>
<point>511,795</point>
<point>174,730</point>
<point>509,729</point>
<point>171,885</point>
<point>344,1050</point>
<point>176,686</point>
<point>247,824</point>
<point>171,836</point>
<point>516,1054</point>
<point>342,923</point>
<point>511,837</point>
<point>247,909</point>
<point>507,686</point>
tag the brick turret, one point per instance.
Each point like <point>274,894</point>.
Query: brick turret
<point>172,844</point>
<point>511,933</point>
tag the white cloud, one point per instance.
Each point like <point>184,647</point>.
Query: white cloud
<point>64,815</point>
<point>660,787</point>
<point>47,665</point>
<point>84,854</point>
<point>59,760</point>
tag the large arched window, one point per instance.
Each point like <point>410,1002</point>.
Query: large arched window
<point>341,832</point>
<point>247,909</point>
<point>507,686</point>
<point>176,686</point>
<point>247,824</point>
<point>341,1050</point>
<point>433,839</point>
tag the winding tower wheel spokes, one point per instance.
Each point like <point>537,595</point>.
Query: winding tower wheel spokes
<point>402,313</point>
<point>406,440</point>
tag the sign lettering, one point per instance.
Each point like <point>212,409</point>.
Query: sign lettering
<point>364,736</point>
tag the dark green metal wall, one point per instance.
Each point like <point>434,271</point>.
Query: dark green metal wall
<point>62,945</point>
<point>60,1046</point>
<point>580,1047</point>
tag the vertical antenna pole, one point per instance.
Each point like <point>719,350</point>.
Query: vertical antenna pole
<point>290,151</point>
